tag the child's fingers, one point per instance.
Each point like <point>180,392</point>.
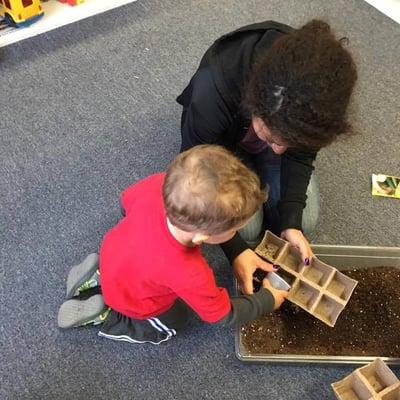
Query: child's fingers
<point>284,293</point>
<point>266,283</point>
<point>275,292</point>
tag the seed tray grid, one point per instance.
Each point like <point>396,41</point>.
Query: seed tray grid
<point>375,381</point>
<point>310,288</point>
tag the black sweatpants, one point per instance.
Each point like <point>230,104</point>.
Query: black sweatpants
<point>153,330</point>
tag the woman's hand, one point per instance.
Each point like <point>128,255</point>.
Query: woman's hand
<point>244,266</point>
<point>297,239</point>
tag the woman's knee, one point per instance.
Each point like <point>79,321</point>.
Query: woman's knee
<point>252,232</point>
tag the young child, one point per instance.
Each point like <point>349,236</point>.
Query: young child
<point>152,273</point>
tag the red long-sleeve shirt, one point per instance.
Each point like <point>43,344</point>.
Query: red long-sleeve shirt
<point>143,269</point>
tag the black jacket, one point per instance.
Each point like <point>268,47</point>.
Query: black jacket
<point>212,114</point>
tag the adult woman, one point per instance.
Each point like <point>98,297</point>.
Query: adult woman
<point>275,96</point>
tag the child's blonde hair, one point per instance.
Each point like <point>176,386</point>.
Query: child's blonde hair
<point>207,189</point>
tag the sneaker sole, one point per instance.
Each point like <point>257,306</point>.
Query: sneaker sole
<point>75,313</point>
<point>81,273</point>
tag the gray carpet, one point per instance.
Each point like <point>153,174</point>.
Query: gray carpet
<point>88,109</point>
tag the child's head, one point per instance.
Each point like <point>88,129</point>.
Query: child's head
<point>208,190</point>
<point>301,87</point>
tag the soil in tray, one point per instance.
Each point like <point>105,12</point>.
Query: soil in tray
<point>368,326</point>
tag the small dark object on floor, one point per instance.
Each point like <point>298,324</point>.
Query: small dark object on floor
<point>368,326</point>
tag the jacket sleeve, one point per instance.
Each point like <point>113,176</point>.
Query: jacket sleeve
<point>211,303</point>
<point>205,117</point>
<point>249,307</point>
<point>233,247</point>
<point>296,169</point>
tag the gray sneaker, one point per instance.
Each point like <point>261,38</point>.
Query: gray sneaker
<point>83,276</point>
<point>73,313</point>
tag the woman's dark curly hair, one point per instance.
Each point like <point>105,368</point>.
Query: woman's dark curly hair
<point>301,87</point>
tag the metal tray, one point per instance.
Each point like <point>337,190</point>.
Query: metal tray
<point>343,258</point>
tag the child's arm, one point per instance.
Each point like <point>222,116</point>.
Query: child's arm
<point>212,304</point>
<point>247,308</point>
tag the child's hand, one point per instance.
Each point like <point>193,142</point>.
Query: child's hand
<point>279,295</point>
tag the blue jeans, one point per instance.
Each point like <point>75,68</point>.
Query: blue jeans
<point>267,165</point>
